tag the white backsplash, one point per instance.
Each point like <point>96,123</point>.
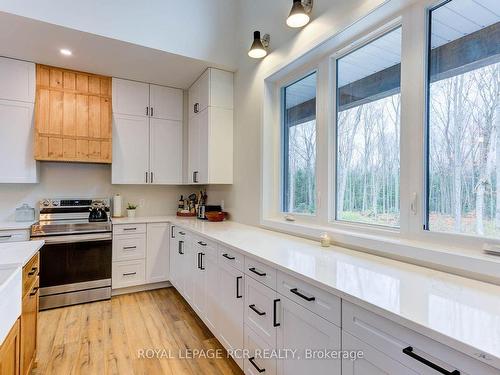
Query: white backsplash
<point>67,180</point>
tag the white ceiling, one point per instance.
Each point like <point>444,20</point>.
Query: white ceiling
<point>37,41</point>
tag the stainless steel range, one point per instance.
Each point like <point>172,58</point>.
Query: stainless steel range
<point>75,262</point>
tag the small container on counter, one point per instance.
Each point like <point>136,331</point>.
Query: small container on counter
<point>25,213</point>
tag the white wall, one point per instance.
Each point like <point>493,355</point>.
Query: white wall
<point>199,29</point>
<point>87,180</point>
<point>242,199</point>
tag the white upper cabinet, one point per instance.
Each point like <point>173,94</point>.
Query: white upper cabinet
<point>147,133</point>
<point>130,97</point>
<point>130,150</point>
<point>211,128</point>
<point>17,80</point>
<point>17,97</point>
<point>166,102</point>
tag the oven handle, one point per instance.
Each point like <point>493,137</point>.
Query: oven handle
<point>75,238</point>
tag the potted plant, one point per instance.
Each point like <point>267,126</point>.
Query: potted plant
<point>131,207</point>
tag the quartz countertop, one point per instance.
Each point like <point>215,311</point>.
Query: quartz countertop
<point>459,312</point>
<point>15,225</point>
<point>18,253</point>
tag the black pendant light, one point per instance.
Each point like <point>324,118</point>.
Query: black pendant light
<point>258,49</point>
<point>299,14</point>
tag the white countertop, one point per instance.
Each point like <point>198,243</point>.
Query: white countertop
<point>15,225</point>
<point>456,311</point>
<point>13,256</point>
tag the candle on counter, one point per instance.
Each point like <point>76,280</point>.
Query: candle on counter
<point>325,240</point>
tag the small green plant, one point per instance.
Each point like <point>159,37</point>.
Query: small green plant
<point>131,206</point>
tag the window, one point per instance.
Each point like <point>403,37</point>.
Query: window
<point>299,146</point>
<point>368,131</point>
<point>463,132</point>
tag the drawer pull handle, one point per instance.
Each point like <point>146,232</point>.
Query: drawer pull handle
<point>302,295</point>
<point>238,295</point>
<point>257,311</point>
<point>172,231</point>
<point>252,361</point>
<point>6,236</point>
<point>228,257</point>
<point>181,247</point>
<point>256,271</point>
<point>33,271</point>
<point>202,243</point>
<point>34,292</point>
<point>275,312</point>
<point>409,351</point>
<point>129,228</point>
<point>129,247</point>
<point>182,233</point>
<point>130,274</point>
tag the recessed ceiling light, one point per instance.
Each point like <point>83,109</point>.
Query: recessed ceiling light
<point>65,52</point>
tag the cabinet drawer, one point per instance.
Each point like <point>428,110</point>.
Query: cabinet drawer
<point>14,235</point>
<point>312,298</point>
<point>373,362</point>
<point>30,272</point>
<point>128,229</point>
<point>391,338</point>
<point>261,309</point>
<point>128,273</point>
<point>231,257</point>
<point>206,247</point>
<point>129,247</point>
<point>261,272</point>
<point>254,363</point>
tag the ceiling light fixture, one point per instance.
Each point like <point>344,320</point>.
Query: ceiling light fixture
<point>299,14</point>
<point>259,46</point>
<point>65,52</point>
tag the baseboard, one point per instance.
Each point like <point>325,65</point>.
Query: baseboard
<point>140,288</point>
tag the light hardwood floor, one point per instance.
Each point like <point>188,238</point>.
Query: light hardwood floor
<point>106,337</point>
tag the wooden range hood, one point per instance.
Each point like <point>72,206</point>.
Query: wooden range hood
<point>72,116</point>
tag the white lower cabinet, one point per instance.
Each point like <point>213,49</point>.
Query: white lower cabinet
<point>372,362</point>
<point>157,252</point>
<point>258,361</point>
<point>231,304</point>
<point>128,273</point>
<point>305,332</point>
<point>175,259</point>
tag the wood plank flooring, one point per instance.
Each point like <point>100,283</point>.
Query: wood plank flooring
<point>107,338</point>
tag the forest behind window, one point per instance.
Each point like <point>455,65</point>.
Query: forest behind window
<point>368,132</point>
<point>464,121</point>
<point>299,146</point>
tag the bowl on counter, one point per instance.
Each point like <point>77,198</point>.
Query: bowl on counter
<point>215,216</point>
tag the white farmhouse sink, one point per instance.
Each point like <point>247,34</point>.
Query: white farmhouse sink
<point>10,298</point>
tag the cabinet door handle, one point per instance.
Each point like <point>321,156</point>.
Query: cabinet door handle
<point>196,107</point>
<point>147,111</point>
<point>151,111</point>
<point>181,245</point>
<point>202,243</point>
<point>129,247</point>
<point>151,177</point>
<point>302,295</point>
<point>238,295</point>
<point>129,273</point>
<point>172,231</point>
<point>199,267</point>
<point>32,271</point>
<point>6,236</point>
<point>252,361</point>
<point>195,176</point>
<point>256,310</point>
<point>147,177</point>
<point>228,257</point>
<point>34,291</point>
<point>201,262</point>
<point>257,272</point>
<point>275,312</point>
<point>409,351</point>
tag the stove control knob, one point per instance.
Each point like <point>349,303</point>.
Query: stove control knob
<point>46,203</point>
<point>55,203</point>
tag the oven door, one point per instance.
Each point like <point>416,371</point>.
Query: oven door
<point>75,262</point>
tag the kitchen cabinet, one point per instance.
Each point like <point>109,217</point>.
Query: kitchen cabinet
<point>130,149</point>
<point>175,259</point>
<point>72,116</point>
<point>157,252</point>
<point>151,116</point>
<point>29,315</point>
<point>210,134</point>
<point>17,98</point>
<point>231,301</point>
<point>10,352</point>
<point>301,330</point>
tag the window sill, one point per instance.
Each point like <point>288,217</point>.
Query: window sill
<point>469,263</point>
